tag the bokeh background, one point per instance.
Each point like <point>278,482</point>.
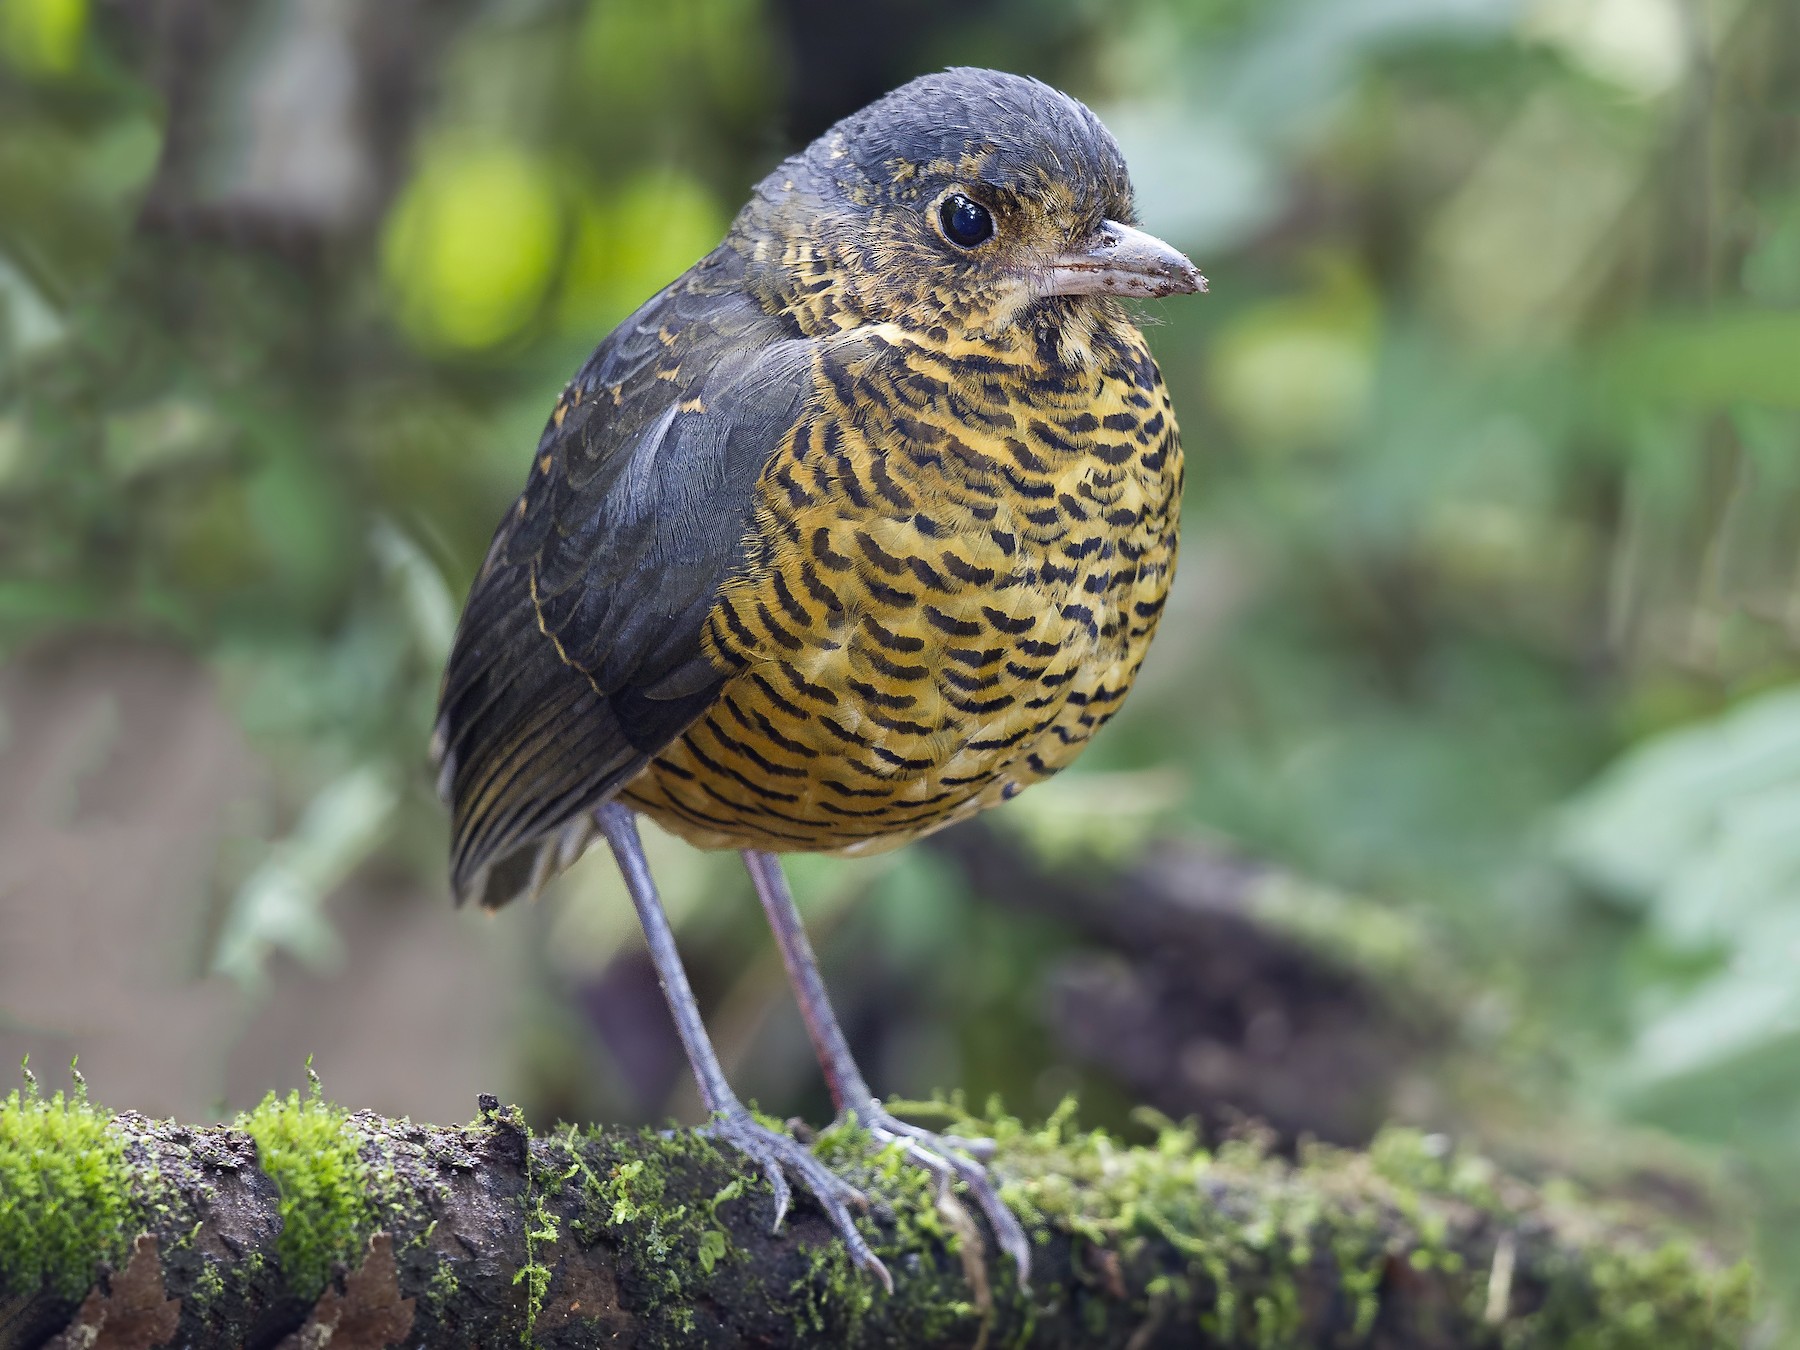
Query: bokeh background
<point>1463,785</point>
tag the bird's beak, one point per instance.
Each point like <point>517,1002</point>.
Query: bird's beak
<point>1124,261</point>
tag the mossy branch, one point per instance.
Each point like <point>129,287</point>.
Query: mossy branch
<point>303,1225</point>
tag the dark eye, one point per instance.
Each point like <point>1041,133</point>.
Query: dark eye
<point>966,223</point>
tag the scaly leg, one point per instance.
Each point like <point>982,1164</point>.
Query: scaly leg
<point>944,1156</point>
<point>779,1155</point>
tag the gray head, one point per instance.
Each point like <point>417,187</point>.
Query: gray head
<point>970,198</point>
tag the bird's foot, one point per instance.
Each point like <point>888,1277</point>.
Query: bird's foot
<point>950,1157</point>
<point>781,1156</point>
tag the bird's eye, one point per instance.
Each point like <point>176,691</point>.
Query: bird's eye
<point>965,223</point>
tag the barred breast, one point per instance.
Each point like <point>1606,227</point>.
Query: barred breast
<point>956,569</point>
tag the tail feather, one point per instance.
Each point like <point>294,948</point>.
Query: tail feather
<point>525,746</point>
<point>528,868</point>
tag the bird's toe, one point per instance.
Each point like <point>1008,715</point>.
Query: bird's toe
<point>953,1157</point>
<point>781,1158</point>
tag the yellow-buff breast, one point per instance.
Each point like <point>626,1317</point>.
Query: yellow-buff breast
<point>957,564</point>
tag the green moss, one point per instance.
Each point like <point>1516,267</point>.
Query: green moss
<point>676,1252</point>
<point>208,1287</point>
<point>540,1231</point>
<point>1236,1242</point>
<point>438,1292</point>
<point>1418,1163</point>
<point>1646,1299</point>
<point>1361,1266</point>
<point>1242,1267</point>
<point>1122,1198</point>
<point>65,1193</point>
<point>309,1151</point>
<point>1608,1289</point>
<point>933,1298</point>
<point>1233,1242</point>
<point>669,1242</point>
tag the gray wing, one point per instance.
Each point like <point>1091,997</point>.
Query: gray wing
<point>579,652</point>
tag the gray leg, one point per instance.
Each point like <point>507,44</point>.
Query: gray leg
<point>849,1093</point>
<point>944,1156</point>
<point>779,1155</point>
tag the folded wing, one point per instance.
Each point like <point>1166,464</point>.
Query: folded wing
<point>579,654</point>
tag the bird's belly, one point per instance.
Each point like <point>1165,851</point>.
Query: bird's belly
<point>929,693</point>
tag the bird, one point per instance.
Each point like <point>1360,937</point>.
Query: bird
<point>860,526</point>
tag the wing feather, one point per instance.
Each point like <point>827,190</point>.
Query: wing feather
<point>579,654</point>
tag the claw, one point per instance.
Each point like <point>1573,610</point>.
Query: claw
<point>946,1156</point>
<point>784,1195</point>
<point>982,1150</point>
<point>780,1156</point>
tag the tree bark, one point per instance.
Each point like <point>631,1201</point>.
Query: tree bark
<point>305,1226</point>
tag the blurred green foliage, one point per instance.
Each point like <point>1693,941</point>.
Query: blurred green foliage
<point>1490,598</point>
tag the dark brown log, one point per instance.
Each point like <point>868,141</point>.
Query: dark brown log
<point>1217,986</point>
<point>308,1227</point>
